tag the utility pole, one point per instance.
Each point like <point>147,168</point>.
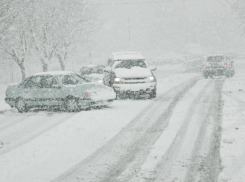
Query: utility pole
<point>129,33</point>
<point>90,57</point>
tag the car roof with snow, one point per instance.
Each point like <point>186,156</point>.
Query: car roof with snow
<point>54,73</point>
<point>126,56</point>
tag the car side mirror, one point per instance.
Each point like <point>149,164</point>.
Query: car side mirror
<point>153,68</point>
<point>107,69</point>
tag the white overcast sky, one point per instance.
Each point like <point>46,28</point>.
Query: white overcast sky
<point>157,28</point>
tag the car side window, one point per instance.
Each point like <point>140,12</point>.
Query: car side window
<point>27,83</point>
<point>48,82</point>
<point>36,81</point>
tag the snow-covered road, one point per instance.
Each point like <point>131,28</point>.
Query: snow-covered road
<point>193,131</point>
<point>41,145</point>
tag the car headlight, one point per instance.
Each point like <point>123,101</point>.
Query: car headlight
<point>100,81</point>
<point>151,79</point>
<point>117,80</point>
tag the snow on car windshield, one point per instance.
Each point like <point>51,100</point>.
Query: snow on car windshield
<point>215,58</point>
<point>128,64</point>
<point>71,79</point>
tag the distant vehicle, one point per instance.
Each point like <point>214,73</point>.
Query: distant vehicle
<point>130,76</point>
<point>218,65</point>
<point>63,89</point>
<point>92,69</point>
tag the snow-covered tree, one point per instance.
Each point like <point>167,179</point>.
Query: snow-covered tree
<point>58,26</point>
<point>238,7</point>
<point>15,32</point>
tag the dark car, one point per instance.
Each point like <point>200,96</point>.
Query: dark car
<point>218,65</point>
<point>92,69</point>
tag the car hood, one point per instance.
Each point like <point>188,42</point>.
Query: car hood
<point>89,87</point>
<point>133,72</point>
<point>97,76</point>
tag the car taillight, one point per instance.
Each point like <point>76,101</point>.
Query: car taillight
<point>225,65</point>
<point>86,94</point>
<point>205,66</point>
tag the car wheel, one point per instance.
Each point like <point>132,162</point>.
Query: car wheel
<point>121,96</point>
<point>21,105</point>
<point>154,94</point>
<point>71,104</point>
<point>87,109</point>
<point>131,95</point>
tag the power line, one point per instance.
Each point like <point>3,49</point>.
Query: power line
<point>136,2</point>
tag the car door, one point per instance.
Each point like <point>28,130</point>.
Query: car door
<point>51,91</point>
<point>28,90</point>
<point>24,90</point>
<point>36,91</point>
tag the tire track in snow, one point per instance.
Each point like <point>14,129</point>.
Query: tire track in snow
<point>198,157</point>
<point>164,167</point>
<point>29,129</point>
<point>205,163</point>
<point>110,161</point>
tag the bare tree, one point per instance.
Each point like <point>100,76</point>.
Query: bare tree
<point>15,41</point>
<point>47,29</point>
<point>59,26</point>
<point>238,8</point>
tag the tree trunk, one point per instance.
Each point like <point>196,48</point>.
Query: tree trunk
<point>44,65</point>
<point>62,62</point>
<point>23,71</point>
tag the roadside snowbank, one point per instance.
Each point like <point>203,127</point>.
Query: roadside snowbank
<point>3,105</point>
<point>233,138</point>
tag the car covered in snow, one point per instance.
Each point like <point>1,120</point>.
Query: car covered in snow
<point>218,65</point>
<point>130,76</point>
<point>64,89</point>
<point>92,69</point>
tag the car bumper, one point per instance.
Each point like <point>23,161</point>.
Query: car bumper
<point>92,103</point>
<point>102,99</point>
<point>10,101</point>
<point>134,87</point>
<point>216,72</point>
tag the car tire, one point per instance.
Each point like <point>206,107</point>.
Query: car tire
<point>131,96</point>
<point>121,96</point>
<point>154,94</point>
<point>71,104</point>
<point>21,105</point>
<point>87,109</point>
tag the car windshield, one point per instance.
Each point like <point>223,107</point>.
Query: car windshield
<point>71,79</point>
<point>91,70</point>
<point>128,64</point>
<point>215,59</point>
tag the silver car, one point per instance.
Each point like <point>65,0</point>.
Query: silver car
<point>64,89</point>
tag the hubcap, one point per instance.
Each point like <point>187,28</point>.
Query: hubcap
<point>21,105</point>
<point>72,104</point>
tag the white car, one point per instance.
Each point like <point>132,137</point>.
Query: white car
<point>130,76</point>
<point>64,89</point>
